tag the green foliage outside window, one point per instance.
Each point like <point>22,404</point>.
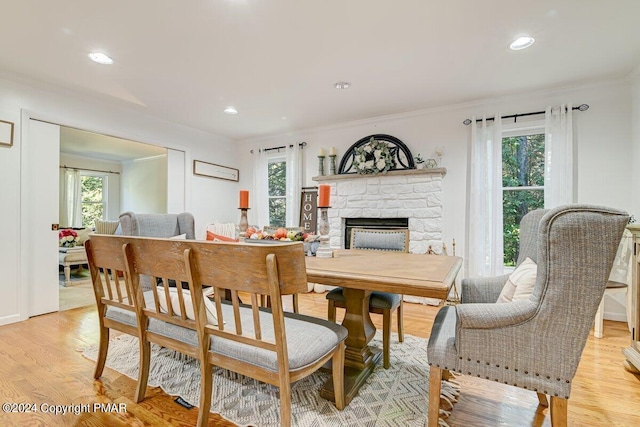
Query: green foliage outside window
<point>277,181</point>
<point>522,166</point>
<point>92,200</point>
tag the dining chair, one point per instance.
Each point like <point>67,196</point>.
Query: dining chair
<point>535,343</point>
<point>383,303</point>
<point>113,295</point>
<point>266,344</point>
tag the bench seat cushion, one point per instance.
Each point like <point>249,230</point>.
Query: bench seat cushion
<point>308,338</point>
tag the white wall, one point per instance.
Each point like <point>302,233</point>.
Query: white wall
<point>206,198</point>
<point>603,154</point>
<point>10,218</point>
<point>113,180</point>
<point>144,185</point>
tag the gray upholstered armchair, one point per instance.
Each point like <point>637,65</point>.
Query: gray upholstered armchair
<point>536,343</point>
<point>158,225</point>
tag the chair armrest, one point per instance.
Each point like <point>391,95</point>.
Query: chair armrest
<point>482,289</point>
<point>491,316</point>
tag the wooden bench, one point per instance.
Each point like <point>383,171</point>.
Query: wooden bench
<point>266,344</point>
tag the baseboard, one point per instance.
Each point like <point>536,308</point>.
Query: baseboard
<point>615,316</point>
<point>5,320</point>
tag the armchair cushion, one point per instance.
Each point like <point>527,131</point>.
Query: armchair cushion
<point>482,289</point>
<point>520,283</point>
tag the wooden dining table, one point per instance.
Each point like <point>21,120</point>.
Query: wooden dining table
<point>360,272</point>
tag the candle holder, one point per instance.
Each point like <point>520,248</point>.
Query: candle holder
<point>244,223</point>
<point>332,164</point>
<point>321,165</point>
<point>324,251</point>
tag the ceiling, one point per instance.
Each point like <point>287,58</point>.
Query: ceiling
<point>277,61</point>
<point>89,144</point>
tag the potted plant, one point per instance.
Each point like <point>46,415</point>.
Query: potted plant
<point>419,162</point>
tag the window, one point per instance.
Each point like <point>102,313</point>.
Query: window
<point>94,191</point>
<point>523,154</point>
<point>277,181</point>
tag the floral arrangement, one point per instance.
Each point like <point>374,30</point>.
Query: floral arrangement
<point>67,238</point>
<point>374,157</point>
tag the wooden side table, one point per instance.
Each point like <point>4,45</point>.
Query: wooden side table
<point>632,353</point>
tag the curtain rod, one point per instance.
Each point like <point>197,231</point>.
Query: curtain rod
<point>88,170</point>
<point>581,107</point>
<point>302,145</point>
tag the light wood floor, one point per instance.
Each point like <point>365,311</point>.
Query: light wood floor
<point>41,362</point>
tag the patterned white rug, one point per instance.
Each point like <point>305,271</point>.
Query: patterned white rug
<point>397,396</point>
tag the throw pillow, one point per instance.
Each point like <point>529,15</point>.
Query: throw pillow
<point>188,305</point>
<point>520,283</point>
<point>219,238</point>
<point>106,227</point>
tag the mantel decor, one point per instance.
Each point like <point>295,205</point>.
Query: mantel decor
<point>376,154</point>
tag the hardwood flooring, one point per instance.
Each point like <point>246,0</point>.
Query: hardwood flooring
<point>41,362</point>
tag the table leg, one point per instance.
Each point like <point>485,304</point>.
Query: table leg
<point>67,274</point>
<point>360,358</point>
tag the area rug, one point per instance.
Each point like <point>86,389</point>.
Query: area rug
<point>77,277</point>
<point>397,396</point>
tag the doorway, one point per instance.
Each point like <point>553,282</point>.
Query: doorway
<point>109,172</point>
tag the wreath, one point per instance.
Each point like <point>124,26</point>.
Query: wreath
<point>373,158</point>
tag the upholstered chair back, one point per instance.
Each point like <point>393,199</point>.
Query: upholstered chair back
<point>380,240</point>
<point>158,225</point>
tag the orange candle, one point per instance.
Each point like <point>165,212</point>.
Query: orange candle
<point>244,199</point>
<point>323,199</point>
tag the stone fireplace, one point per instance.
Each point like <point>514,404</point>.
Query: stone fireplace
<point>412,194</point>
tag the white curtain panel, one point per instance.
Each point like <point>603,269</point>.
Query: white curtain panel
<point>558,176</point>
<point>484,251</point>
<point>260,193</point>
<point>294,184</point>
<point>71,214</point>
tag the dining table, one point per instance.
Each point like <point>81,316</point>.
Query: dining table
<point>360,272</point>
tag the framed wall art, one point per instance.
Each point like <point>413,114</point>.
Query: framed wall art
<point>6,133</point>
<point>212,170</point>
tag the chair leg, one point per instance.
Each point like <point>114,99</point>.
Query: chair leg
<point>285,405</point>
<point>296,302</point>
<point>435,382</point>
<point>542,399</point>
<point>401,322</point>
<point>337,366</point>
<point>206,384</point>
<point>331,311</point>
<point>558,412</point>
<point>597,325</point>
<point>386,337</point>
<point>143,371</point>
<point>102,352</point>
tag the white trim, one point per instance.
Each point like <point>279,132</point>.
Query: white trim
<point>5,320</point>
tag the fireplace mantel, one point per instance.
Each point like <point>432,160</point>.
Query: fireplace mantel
<point>395,173</point>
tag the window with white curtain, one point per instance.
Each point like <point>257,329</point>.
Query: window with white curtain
<point>512,170</point>
<point>94,197</point>
<point>277,178</point>
<point>523,151</point>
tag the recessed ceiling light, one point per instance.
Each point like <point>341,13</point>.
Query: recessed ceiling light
<point>100,58</point>
<point>521,43</point>
<point>230,110</point>
<point>342,85</point>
